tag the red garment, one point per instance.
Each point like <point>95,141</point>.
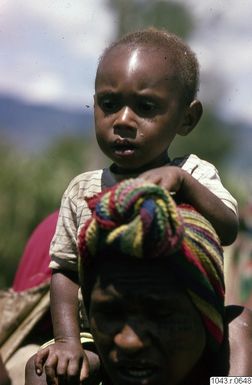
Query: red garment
<point>33,267</point>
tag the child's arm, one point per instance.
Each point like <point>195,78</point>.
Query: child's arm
<point>191,191</point>
<point>66,357</point>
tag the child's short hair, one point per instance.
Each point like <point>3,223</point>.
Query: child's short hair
<point>140,220</point>
<point>183,56</point>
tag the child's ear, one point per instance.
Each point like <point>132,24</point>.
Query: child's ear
<point>192,116</point>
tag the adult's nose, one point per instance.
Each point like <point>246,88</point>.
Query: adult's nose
<point>128,340</point>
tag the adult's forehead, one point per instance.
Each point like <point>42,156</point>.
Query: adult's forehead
<point>141,275</point>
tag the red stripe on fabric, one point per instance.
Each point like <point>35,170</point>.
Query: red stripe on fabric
<point>213,329</point>
<point>190,256</point>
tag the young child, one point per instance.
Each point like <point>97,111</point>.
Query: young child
<point>145,94</point>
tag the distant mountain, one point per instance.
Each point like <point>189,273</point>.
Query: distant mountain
<point>33,127</point>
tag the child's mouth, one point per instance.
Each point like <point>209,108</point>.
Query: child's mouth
<point>124,147</point>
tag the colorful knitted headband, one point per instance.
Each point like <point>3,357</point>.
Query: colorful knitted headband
<point>140,219</point>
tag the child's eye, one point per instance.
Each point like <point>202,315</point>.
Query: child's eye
<point>146,107</point>
<point>108,104</point>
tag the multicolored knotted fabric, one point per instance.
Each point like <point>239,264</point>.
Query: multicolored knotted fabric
<point>139,219</point>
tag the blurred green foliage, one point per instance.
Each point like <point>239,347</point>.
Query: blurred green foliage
<point>132,15</point>
<point>208,140</point>
<point>31,187</point>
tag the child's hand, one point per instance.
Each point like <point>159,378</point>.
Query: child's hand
<point>64,362</point>
<point>169,177</point>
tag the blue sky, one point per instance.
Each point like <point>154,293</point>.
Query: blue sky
<point>50,48</point>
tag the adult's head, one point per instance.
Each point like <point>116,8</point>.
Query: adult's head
<point>152,279</point>
<point>145,91</point>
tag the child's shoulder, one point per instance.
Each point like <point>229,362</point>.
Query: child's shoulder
<point>87,176</point>
<point>90,180</point>
<point>191,162</point>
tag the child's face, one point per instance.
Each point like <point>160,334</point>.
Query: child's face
<point>145,327</point>
<point>139,106</point>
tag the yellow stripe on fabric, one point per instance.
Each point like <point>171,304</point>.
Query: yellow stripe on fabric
<point>115,233</point>
<point>138,241</point>
<point>91,236</point>
<point>203,254</point>
<point>207,309</point>
<point>162,214</point>
<point>138,204</point>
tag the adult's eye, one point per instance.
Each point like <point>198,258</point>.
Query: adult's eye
<point>165,314</point>
<point>107,310</point>
<point>161,313</point>
<point>107,320</point>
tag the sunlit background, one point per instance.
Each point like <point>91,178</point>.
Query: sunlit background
<point>48,56</point>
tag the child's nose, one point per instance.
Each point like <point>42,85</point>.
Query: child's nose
<point>128,340</point>
<point>125,118</point>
